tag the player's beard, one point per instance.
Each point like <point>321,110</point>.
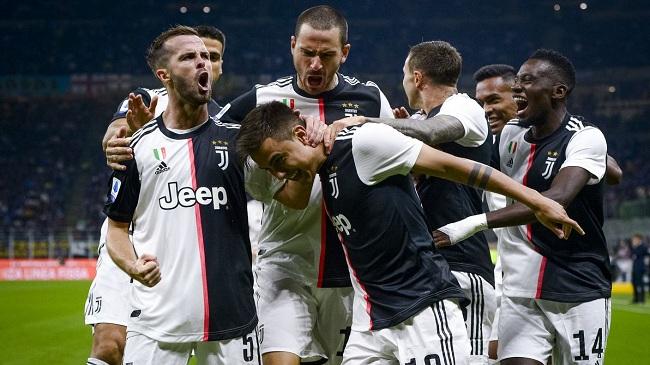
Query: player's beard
<point>188,90</point>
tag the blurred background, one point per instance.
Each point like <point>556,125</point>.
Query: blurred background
<point>68,64</point>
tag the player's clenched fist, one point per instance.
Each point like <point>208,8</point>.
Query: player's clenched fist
<point>146,270</point>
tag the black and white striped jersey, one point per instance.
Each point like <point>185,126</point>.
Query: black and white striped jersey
<point>537,264</point>
<point>184,196</point>
<point>371,201</point>
<point>298,243</point>
<point>446,201</point>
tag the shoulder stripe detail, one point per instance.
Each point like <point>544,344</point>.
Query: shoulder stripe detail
<point>225,125</point>
<point>347,133</point>
<point>162,91</point>
<point>574,124</point>
<point>351,80</point>
<point>144,133</point>
<point>281,82</point>
<point>370,83</point>
<point>144,128</point>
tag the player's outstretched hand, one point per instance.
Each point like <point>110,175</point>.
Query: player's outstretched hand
<point>118,150</point>
<point>553,216</point>
<point>139,114</point>
<point>401,113</point>
<point>334,129</point>
<point>315,129</point>
<point>146,270</point>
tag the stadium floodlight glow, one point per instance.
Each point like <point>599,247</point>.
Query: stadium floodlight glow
<point>183,9</point>
<point>206,9</point>
<point>611,89</point>
<point>583,6</point>
<point>556,7</point>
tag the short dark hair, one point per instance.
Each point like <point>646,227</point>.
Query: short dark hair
<point>506,72</point>
<point>157,55</point>
<point>324,17</point>
<point>437,60</point>
<point>208,31</point>
<point>562,66</point>
<point>271,120</point>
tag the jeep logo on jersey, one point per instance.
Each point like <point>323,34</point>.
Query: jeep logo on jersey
<point>335,185</point>
<point>342,224</point>
<point>221,148</point>
<point>187,197</point>
<point>550,162</point>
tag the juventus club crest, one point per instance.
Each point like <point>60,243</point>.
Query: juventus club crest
<point>333,182</point>
<point>221,148</point>
<point>550,162</point>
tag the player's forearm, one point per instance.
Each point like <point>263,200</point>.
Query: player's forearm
<point>120,248</point>
<point>295,194</point>
<point>112,129</point>
<point>432,131</point>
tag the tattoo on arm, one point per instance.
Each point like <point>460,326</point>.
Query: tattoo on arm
<point>432,131</point>
<point>479,176</point>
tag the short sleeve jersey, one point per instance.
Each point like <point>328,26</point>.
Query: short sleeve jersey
<point>537,264</point>
<point>184,197</point>
<point>371,201</point>
<point>298,243</point>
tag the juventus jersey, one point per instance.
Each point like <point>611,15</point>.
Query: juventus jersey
<point>184,196</point>
<point>297,243</point>
<point>537,264</point>
<point>371,201</point>
<point>148,94</point>
<point>445,201</point>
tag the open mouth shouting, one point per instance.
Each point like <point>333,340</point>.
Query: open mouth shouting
<point>204,82</point>
<point>522,104</point>
<point>315,81</point>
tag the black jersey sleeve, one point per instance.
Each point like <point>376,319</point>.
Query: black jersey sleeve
<point>124,105</point>
<point>123,193</point>
<point>237,109</point>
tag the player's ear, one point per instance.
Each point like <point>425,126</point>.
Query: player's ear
<point>418,78</point>
<point>560,91</point>
<point>293,43</point>
<point>162,74</point>
<point>300,132</point>
<point>346,52</point>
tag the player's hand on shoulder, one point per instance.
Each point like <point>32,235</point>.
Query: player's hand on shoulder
<point>139,114</point>
<point>118,150</point>
<point>401,113</point>
<point>553,216</point>
<point>315,129</point>
<point>146,270</point>
<point>333,130</point>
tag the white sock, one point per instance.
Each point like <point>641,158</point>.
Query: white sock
<point>492,362</point>
<point>93,361</point>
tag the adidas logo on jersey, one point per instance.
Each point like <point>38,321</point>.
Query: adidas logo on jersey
<point>161,168</point>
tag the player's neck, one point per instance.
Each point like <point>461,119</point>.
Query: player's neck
<point>552,121</point>
<point>179,115</point>
<point>434,95</point>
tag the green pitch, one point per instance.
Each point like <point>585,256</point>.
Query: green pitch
<point>42,323</point>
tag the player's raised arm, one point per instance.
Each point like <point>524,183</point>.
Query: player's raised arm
<point>550,213</point>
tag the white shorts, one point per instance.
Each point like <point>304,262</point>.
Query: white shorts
<point>310,322</point>
<point>108,297</point>
<point>570,332</point>
<point>142,350</point>
<point>435,336</point>
<point>480,313</point>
